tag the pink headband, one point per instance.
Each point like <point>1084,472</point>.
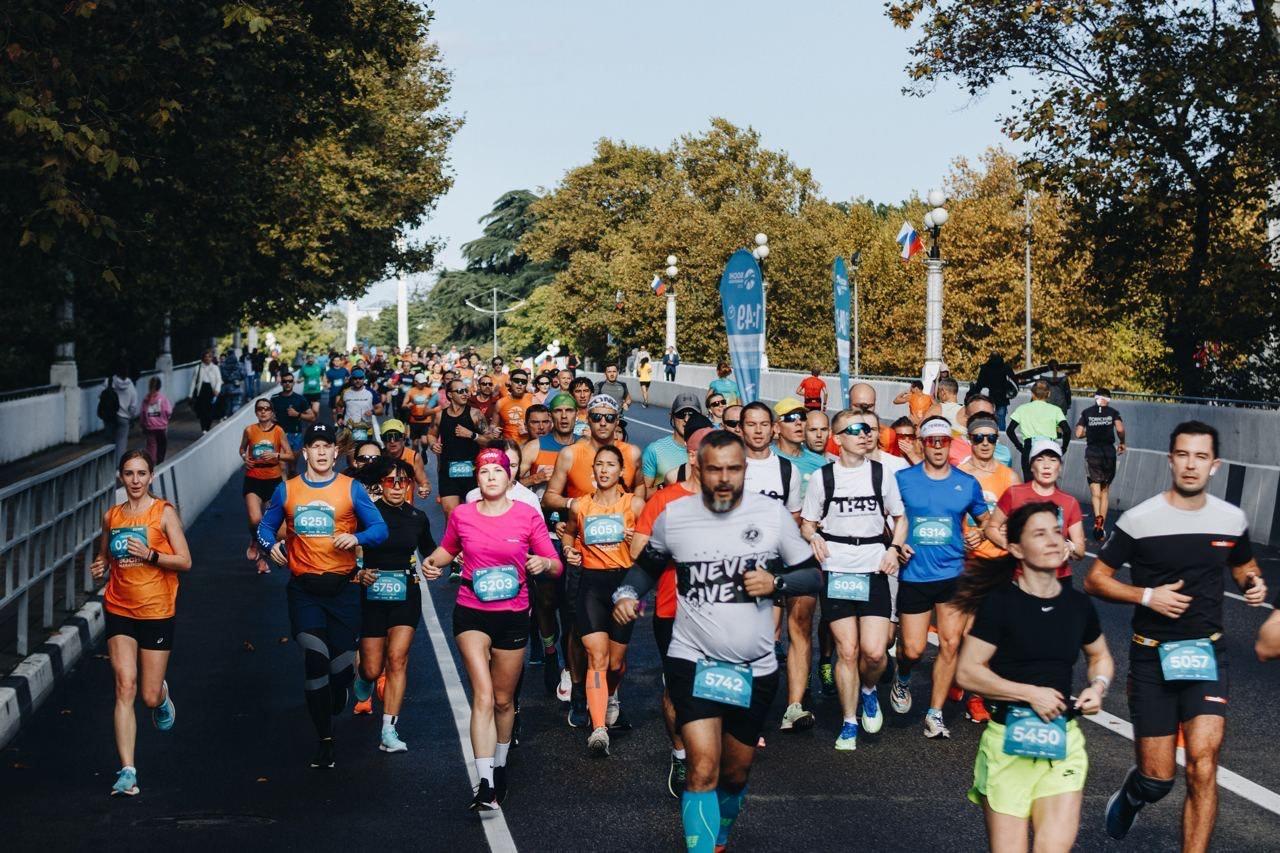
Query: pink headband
<point>493,456</point>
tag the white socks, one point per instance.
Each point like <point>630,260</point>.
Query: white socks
<point>484,769</point>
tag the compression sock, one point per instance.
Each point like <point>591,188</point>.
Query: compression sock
<point>730,807</point>
<point>315,664</point>
<point>700,815</point>
<point>500,753</point>
<point>597,696</point>
<point>615,678</point>
<point>484,769</point>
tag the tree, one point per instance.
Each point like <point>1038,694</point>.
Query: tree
<point>1158,124</point>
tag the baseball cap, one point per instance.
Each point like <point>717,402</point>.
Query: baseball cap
<point>1044,445</point>
<point>604,401</point>
<point>935,427</point>
<point>317,432</point>
<point>420,378</point>
<point>787,405</point>
<point>393,425</point>
<point>695,438</point>
<point>357,374</point>
<point>685,401</point>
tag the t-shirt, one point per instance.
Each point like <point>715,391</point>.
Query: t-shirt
<point>661,456</point>
<point>665,604</point>
<point>812,387</point>
<point>765,476</point>
<point>500,540</point>
<point>280,404</point>
<point>854,512</point>
<point>510,412</point>
<point>934,510</point>
<point>645,372</point>
<point>712,551</point>
<point>1037,640</point>
<point>358,404</point>
<point>1038,419</point>
<point>518,492</point>
<point>1163,545</point>
<point>994,484</point>
<point>311,374</point>
<point>807,462</point>
<point>337,377</point>
<point>616,389</point>
<point>1099,424</point>
<point>728,388</point>
<point>1069,515</point>
<point>951,411</point>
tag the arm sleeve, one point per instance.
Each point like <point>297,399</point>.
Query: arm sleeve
<point>373,529</point>
<point>426,542</point>
<point>272,517</point>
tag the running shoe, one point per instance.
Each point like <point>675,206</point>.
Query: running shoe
<point>1099,529</point>
<point>872,716</point>
<point>598,742</point>
<point>363,689</point>
<point>485,798</point>
<point>363,708</point>
<point>827,675</point>
<point>848,740</point>
<point>976,709</point>
<point>500,784</point>
<point>613,711</point>
<point>1120,815</point>
<point>391,741</point>
<point>900,696</point>
<point>126,783</point>
<point>578,716</point>
<point>324,754</point>
<point>955,694</point>
<point>676,775</point>
<point>162,717</point>
<point>935,727</point>
<point>382,685</point>
<point>564,689</point>
<point>796,718</point>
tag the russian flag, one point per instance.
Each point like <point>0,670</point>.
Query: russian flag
<point>659,286</point>
<point>910,242</point>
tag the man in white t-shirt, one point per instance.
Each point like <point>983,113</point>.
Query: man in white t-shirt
<point>850,498</point>
<point>768,473</point>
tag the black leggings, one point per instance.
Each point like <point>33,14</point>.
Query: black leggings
<point>329,671</point>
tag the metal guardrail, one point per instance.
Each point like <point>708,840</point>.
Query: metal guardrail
<point>48,525</point>
<point>34,391</point>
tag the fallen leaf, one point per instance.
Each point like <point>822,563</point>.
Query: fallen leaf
<point>248,646</point>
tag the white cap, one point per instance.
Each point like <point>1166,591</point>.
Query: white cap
<point>1044,445</point>
<point>420,378</point>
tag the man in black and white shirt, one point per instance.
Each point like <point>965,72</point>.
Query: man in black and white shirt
<point>1178,546</point>
<point>1100,426</point>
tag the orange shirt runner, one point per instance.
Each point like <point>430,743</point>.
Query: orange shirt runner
<point>582,480</point>
<point>666,593</point>
<point>599,538</point>
<point>260,443</point>
<point>994,484</point>
<point>510,412</point>
<point>313,515</point>
<point>135,588</point>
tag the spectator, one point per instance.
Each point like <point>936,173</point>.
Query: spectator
<point>259,360</point>
<point>126,409</point>
<point>206,385</point>
<point>232,382</point>
<point>670,361</point>
<point>997,382</point>
<point>156,411</point>
<point>250,378</point>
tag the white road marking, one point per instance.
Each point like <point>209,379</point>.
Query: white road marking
<point>493,822</point>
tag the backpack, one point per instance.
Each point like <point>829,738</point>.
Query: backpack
<point>108,404</point>
<point>829,485</point>
<point>784,470</point>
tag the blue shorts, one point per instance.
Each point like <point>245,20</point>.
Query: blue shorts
<point>336,617</point>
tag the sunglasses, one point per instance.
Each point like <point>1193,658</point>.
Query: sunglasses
<point>714,403</point>
<point>983,438</point>
<point>792,417</point>
<point>393,435</point>
<point>366,458</point>
<point>544,383</point>
<point>597,417</point>
<point>905,434</point>
<point>486,384</point>
<point>458,391</point>
<point>266,408</point>
<point>855,429</point>
<point>395,482</point>
<point>937,441</point>
<point>286,381</point>
<point>519,380</point>
<point>728,424</point>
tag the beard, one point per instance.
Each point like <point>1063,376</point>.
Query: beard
<point>719,503</point>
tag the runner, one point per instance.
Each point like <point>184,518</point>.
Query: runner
<point>336,378</point>
<point>357,406</point>
<point>141,551</point>
<point>716,404</point>
<point>644,374</point>
<point>1177,545</point>
<point>615,388</point>
<point>1267,646</point>
<point>790,443</point>
<point>732,420</point>
<point>293,413</point>
<point>390,598</point>
<point>542,388</point>
<point>326,518</point>
<point>455,440</point>
<point>1046,466</point>
<point>420,406</point>
<point>263,447</point>
<point>720,666</point>
<point>484,396</point>
<point>950,408</point>
<point>510,410</point>
<point>669,451</point>
<point>919,404</point>
<point>582,390</point>
<point>851,499</point>
<point>817,429</point>
<point>1037,419</point>
<point>813,390</point>
<point>595,537</point>
<point>497,372</point>
<point>393,437</point>
<point>936,497</point>
<point>975,405</point>
<point>502,542</point>
<point>312,381</point>
<point>722,384</point>
<point>906,442</point>
<point>537,420</point>
<point>1026,637</point>
<point>1101,427</point>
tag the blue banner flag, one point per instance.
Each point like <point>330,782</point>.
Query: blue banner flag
<point>840,278</point>
<point>742,300</point>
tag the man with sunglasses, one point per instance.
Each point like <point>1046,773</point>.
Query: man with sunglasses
<point>851,499</point>
<point>768,473</point>
<point>293,412</point>
<point>484,396</point>
<point>669,451</point>
<point>456,440</point>
<point>733,419</point>
<point>394,439</point>
<point>790,444</point>
<point>936,497</point>
<point>510,410</point>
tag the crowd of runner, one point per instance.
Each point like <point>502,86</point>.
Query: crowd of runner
<point>865,537</point>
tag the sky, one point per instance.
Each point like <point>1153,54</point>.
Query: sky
<point>538,83</point>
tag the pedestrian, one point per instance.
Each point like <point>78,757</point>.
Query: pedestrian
<point>126,409</point>
<point>156,411</point>
<point>232,383</point>
<point>670,361</point>
<point>996,381</point>
<point>1037,419</point>
<point>259,361</point>
<point>250,378</point>
<point>1059,388</point>
<point>632,358</point>
<point>644,372</point>
<point>206,385</point>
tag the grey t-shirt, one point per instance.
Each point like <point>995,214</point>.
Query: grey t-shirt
<point>711,551</point>
<point>617,390</point>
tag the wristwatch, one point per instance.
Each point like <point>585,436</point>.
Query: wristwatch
<point>779,583</point>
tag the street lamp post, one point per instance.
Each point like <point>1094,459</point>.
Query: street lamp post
<point>760,252</point>
<point>933,221</point>
<point>672,272</point>
<point>1026,232</point>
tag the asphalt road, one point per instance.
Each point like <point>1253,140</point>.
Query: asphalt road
<point>232,773</point>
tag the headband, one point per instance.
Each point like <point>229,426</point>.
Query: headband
<point>493,456</point>
<point>604,401</point>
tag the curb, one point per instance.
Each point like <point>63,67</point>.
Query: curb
<point>24,690</point>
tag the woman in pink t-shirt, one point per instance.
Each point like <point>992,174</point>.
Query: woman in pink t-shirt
<point>502,542</point>
<point>156,411</point>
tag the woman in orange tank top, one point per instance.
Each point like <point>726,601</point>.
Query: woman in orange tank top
<point>597,537</point>
<point>141,550</point>
<point>264,448</point>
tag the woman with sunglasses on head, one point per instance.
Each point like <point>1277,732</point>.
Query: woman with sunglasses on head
<point>502,543</point>
<point>265,450</point>
<point>391,600</point>
<point>456,437</point>
<point>141,551</point>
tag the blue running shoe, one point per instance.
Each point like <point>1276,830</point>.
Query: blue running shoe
<point>162,717</point>
<point>126,783</point>
<point>848,740</point>
<point>872,716</point>
<point>363,689</point>
<point>1120,815</point>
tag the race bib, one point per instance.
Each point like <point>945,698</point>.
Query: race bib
<point>495,583</point>
<point>337,383</point>
<point>390,586</point>
<point>154,410</point>
<point>1027,735</point>
<point>313,520</point>
<point>603,529</point>
<point>726,683</point>
<point>849,586</point>
<point>420,401</point>
<point>118,544</point>
<point>579,429</point>
<point>930,530</point>
<point>261,449</point>
<point>360,434</point>
<point>1188,660</point>
<point>463,468</point>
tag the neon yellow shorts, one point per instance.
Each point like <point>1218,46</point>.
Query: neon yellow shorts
<point>1011,783</point>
